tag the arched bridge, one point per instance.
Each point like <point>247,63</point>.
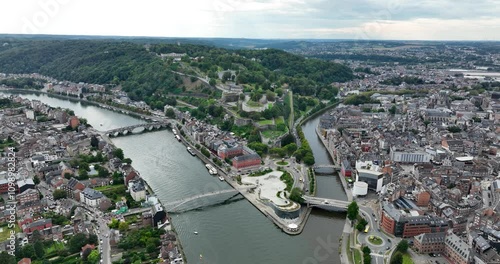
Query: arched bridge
<point>128,129</point>
<point>326,168</point>
<point>326,204</point>
<point>172,207</point>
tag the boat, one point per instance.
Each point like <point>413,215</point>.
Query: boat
<point>195,232</point>
<point>211,169</point>
<point>190,150</point>
<point>221,178</point>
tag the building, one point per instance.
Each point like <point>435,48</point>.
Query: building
<point>91,197</point>
<point>456,249</point>
<point>229,152</point>
<point>24,185</point>
<point>345,168</point>
<point>24,261</point>
<point>409,223</point>
<point>429,243</point>
<point>37,225</point>
<point>404,155</point>
<point>137,190</point>
<point>248,160</point>
<point>370,173</point>
<point>74,122</point>
<point>30,114</point>
<point>29,195</point>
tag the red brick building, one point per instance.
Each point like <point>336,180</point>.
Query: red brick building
<point>429,243</point>
<point>74,122</point>
<point>37,225</point>
<point>402,224</point>
<point>246,161</point>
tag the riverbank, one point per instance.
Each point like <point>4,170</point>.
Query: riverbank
<point>77,99</point>
<point>150,190</point>
<point>262,207</point>
<point>346,234</point>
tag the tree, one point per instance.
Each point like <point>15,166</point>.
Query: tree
<point>94,256</point>
<point>352,211</point>
<point>226,76</point>
<point>361,225</point>
<point>114,223</point>
<point>402,246</point>
<point>123,226</point>
<point>59,194</point>
<point>28,251</point>
<point>392,110</point>
<point>67,175</point>
<point>7,258</point>
<point>454,129</point>
<point>170,113</point>
<point>35,237</point>
<point>212,82</point>
<point>39,251</point>
<point>270,95</point>
<point>94,142</point>
<point>397,258</point>
<point>118,152</point>
<point>296,195</point>
<point>76,242</point>
<point>36,180</point>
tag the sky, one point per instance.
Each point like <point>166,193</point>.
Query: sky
<point>275,19</point>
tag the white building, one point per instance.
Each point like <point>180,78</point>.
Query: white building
<point>91,197</point>
<point>409,156</point>
<point>30,114</point>
<point>137,190</point>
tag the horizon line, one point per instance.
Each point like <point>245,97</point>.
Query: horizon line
<point>241,38</point>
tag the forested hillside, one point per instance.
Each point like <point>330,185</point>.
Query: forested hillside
<point>147,77</point>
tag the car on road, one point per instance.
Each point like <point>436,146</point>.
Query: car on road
<point>389,240</point>
<point>388,248</point>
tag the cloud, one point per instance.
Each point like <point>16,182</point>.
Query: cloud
<point>374,19</point>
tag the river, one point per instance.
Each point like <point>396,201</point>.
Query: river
<point>229,231</point>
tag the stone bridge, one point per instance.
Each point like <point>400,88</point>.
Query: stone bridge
<point>129,129</point>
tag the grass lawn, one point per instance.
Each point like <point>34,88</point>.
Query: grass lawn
<point>251,103</point>
<point>357,257</point>
<point>54,247</point>
<point>375,240</point>
<point>407,259</point>
<point>279,120</point>
<point>282,163</point>
<point>272,133</point>
<point>265,122</point>
<point>118,188</point>
<point>5,233</point>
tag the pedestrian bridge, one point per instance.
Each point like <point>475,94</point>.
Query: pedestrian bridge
<point>129,130</point>
<point>200,199</point>
<point>326,204</point>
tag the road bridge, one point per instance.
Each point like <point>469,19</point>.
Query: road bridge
<point>129,129</point>
<point>326,204</point>
<point>326,168</point>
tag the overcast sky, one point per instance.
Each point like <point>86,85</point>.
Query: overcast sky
<point>324,19</point>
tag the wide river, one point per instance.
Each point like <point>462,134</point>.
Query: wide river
<point>231,231</point>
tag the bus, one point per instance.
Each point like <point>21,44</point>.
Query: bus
<point>367,228</point>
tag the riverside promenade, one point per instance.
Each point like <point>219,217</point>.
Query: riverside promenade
<point>251,197</point>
